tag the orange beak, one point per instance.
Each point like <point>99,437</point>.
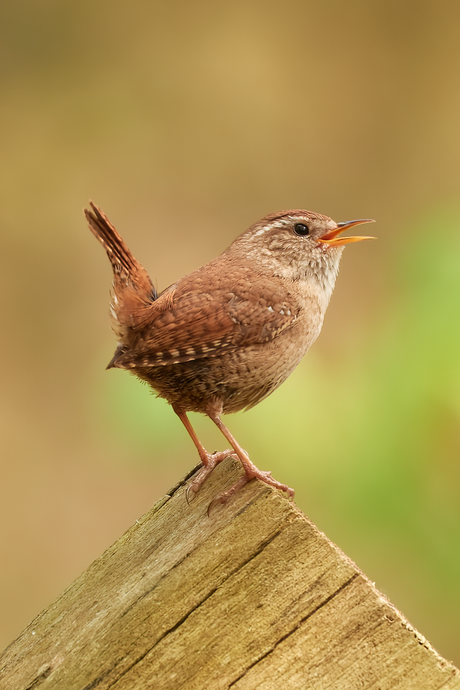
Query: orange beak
<point>331,238</point>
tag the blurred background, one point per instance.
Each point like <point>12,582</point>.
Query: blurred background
<point>186,122</point>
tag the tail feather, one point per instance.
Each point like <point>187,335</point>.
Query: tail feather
<point>119,255</point>
<point>133,292</point>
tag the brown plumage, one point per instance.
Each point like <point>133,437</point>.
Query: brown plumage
<point>224,337</point>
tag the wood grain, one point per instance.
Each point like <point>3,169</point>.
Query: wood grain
<point>253,596</point>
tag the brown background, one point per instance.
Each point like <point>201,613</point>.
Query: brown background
<point>186,122</point>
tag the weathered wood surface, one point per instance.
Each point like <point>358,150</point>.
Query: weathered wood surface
<point>252,597</point>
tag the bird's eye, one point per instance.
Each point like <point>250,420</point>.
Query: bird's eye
<point>301,229</point>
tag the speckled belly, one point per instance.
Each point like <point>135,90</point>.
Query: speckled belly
<point>238,379</point>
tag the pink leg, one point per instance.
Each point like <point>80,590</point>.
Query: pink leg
<point>209,460</point>
<point>250,470</point>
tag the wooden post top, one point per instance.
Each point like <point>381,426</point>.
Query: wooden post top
<point>253,596</point>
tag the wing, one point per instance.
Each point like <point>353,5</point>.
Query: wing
<point>193,320</point>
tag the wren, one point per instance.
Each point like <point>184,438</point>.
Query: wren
<point>224,337</point>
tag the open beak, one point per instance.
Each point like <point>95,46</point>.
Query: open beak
<point>331,238</point>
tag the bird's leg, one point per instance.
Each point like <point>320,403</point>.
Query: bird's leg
<point>209,460</point>
<point>250,470</point>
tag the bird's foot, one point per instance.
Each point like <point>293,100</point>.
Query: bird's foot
<point>210,461</point>
<point>251,472</point>
<point>226,495</point>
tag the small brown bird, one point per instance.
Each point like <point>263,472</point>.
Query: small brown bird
<point>224,337</point>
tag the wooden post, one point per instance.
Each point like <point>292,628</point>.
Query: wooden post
<point>253,596</point>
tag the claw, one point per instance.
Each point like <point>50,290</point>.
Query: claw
<point>190,493</point>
